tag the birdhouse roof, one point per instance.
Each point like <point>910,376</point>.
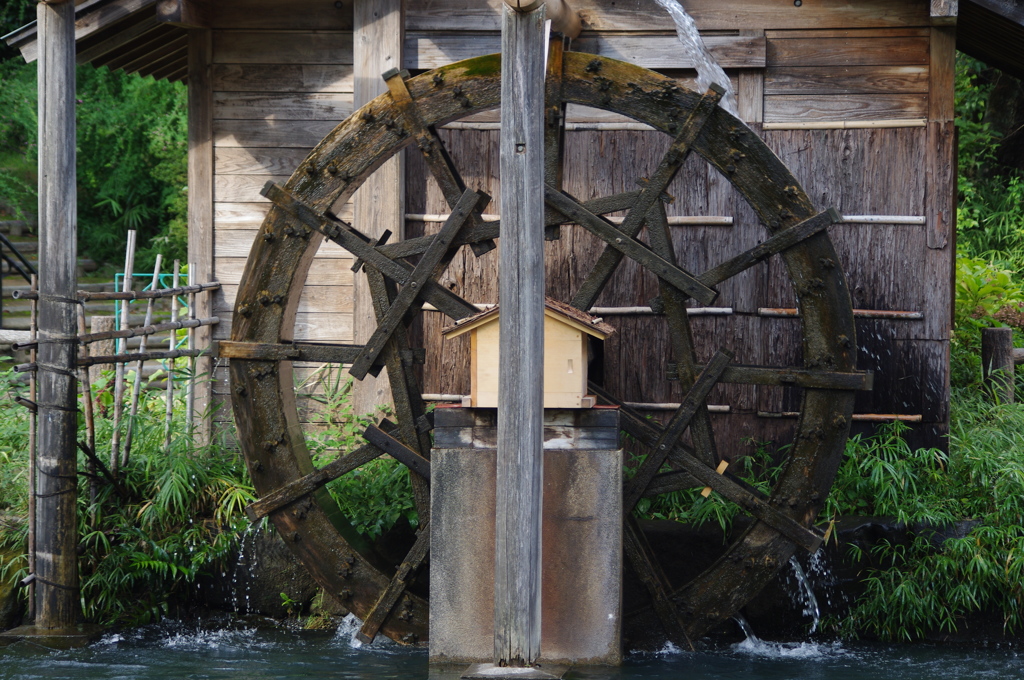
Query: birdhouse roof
<point>570,316</point>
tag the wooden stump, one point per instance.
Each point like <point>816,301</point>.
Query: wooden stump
<point>997,362</point>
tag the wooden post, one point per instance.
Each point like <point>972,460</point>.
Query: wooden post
<point>133,413</point>
<point>33,420</point>
<point>997,365</point>
<point>172,341</point>
<point>200,216</point>
<point>517,590</point>
<point>379,205</point>
<point>56,539</point>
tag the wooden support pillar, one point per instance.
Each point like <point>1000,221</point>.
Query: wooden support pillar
<point>379,205</point>
<point>997,362</point>
<point>200,209</point>
<point>521,346</point>
<point>56,559</point>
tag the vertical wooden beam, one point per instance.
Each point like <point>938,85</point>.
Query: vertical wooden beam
<point>750,89</point>
<point>200,205</point>
<point>56,559</point>
<point>521,346</point>
<point>379,205</point>
<point>940,211</point>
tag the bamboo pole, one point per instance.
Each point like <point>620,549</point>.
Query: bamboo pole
<point>171,341</point>
<point>137,387</point>
<point>87,407</point>
<point>517,591</point>
<point>190,385</point>
<point>152,329</point>
<point>126,285</point>
<point>56,544</point>
<point>33,420</point>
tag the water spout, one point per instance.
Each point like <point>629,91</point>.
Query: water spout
<point>708,70</point>
<point>810,602</point>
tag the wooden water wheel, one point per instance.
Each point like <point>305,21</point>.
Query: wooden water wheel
<point>403,276</point>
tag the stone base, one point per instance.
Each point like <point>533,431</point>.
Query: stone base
<point>581,600</point>
<point>54,638</point>
<point>488,671</point>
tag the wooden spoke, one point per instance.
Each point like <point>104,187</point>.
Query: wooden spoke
<point>398,451</point>
<point>427,268</point>
<point>680,334</point>
<point>405,389</point>
<point>303,486</point>
<point>668,482</point>
<point>490,230</point>
<point>797,377</point>
<point>434,152</point>
<point>641,558</point>
<point>618,240</point>
<point>674,430</point>
<point>649,434</point>
<point>783,240</point>
<point>359,245</point>
<point>288,351</point>
<point>652,193</point>
<point>389,598</point>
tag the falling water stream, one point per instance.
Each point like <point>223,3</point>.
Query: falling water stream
<point>708,70</point>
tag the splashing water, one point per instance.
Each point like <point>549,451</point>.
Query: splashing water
<point>755,646</point>
<point>810,602</point>
<point>708,70</point>
<point>347,630</point>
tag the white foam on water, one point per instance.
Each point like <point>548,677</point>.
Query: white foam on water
<point>347,630</point>
<point>788,650</point>
<point>196,640</point>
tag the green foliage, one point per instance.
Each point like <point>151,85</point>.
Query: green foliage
<point>990,213</point>
<point>759,469</point>
<point>180,514</point>
<point>377,494</point>
<point>931,584</point>
<point>986,296</point>
<point>132,159</point>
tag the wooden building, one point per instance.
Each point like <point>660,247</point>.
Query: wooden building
<point>855,97</point>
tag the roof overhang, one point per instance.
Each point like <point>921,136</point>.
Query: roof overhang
<point>993,31</point>
<point>123,35</point>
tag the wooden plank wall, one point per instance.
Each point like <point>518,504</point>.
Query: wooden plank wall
<point>280,86</point>
<point>831,65</point>
<point>281,80</point>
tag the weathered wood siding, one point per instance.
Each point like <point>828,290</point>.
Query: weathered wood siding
<point>280,86</point>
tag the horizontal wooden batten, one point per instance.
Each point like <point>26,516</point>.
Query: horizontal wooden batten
<point>257,161</point>
<point>848,52</point>
<point>298,351</point>
<point>427,50</point>
<point>671,406</point>
<point>846,124</point>
<point>303,134</point>
<point>856,417</point>
<point>251,215</point>
<point>842,80</point>
<point>677,221</point>
<point>710,15</point>
<point>242,188</point>
<point>884,219</point>
<point>318,78</point>
<point>272,15</point>
<point>315,298</point>
<point>282,106</point>
<point>313,326</point>
<point>806,108</point>
<point>238,243</point>
<point>791,312</point>
<point>322,272</point>
<point>282,47</point>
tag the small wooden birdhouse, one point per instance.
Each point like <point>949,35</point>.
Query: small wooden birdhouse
<point>566,354</point>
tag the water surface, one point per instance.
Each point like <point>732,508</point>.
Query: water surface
<point>244,650</point>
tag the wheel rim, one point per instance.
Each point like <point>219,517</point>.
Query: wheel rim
<point>262,389</point>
